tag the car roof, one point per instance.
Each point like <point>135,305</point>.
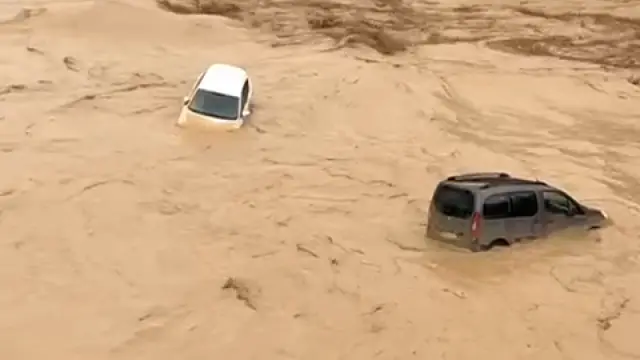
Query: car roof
<point>224,79</point>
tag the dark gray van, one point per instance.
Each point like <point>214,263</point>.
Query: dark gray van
<point>480,210</point>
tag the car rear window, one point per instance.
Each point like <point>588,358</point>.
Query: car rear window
<point>454,202</point>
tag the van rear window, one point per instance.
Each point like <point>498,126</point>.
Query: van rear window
<point>454,202</point>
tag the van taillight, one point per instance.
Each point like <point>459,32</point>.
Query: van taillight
<point>476,225</point>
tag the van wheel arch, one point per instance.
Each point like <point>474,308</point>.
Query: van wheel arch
<point>499,242</point>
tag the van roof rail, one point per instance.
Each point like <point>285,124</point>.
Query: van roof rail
<point>479,176</point>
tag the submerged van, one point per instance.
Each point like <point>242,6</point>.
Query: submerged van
<point>480,210</point>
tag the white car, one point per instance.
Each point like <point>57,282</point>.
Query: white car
<point>221,96</point>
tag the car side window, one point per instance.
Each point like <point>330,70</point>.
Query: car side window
<point>195,86</point>
<point>496,207</point>
<point>245,93</point>
<point>523,204</point>
<point>557,203</point>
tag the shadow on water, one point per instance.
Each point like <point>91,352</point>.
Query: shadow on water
<point>458,264</point>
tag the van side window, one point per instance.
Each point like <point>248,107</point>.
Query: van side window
<point>523,204</point>
<point>513,205</point>
<point>496,207</point>
<point>557,203</point>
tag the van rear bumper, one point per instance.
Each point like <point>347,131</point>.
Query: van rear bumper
<point>444,237</point>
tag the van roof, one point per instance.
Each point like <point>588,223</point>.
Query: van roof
<point>224,79</point>
<point>480,181</point>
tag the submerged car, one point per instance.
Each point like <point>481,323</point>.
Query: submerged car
<point>480,210</point>
<point>221,96</point>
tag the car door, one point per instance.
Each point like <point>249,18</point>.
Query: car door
<point>524,216</point>
<point>495,213</point>
<point>561,212</point>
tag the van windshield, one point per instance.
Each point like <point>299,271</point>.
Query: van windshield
<point>216,105</point>
<point>454,202</point>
